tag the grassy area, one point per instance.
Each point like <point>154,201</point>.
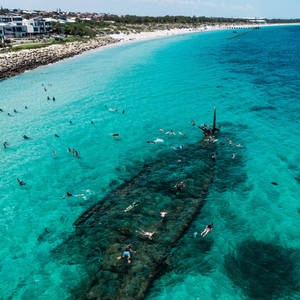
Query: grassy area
<point>39,44</point>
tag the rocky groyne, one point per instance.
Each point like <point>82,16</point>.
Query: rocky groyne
<point>14,63</point>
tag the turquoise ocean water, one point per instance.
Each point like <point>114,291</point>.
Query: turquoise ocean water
<point>254,80</point>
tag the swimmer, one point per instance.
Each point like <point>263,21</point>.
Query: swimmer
<point>207,229</point>
<point>71,195</point>
<point>233,155</point>
<point>147,234</point>
<point>158,141</point>
<point>26,107</point>
<point>21,182</point>
<point>230,143</point>
<point>45,89</point>
<point>69,150</point>
<point>178,147</point>
<point>25,137</point>
<point>1,110</point>
<point>70,122</point>
<point>180,186</point>
<point>114,134</point>
<point>163,215</point>
<point>127,254</point>
<point>238,145</point>
<point>53,98</point>
<point>150,142</point>
<point>15,111</point>
<point>134,204</point>
<point>193,122</point>
<point>54,152</point>
<point>113,109</point>
<point>92,122</point>
<point>48,98</point>
<point>172,132</point>
<point>214,156</point>
<point>105,106</point>
<point>9,114</point>
<point>180,133</point>
<point>5,144</point>
<point>123,112</point>
<point>76,154</point>
<point>161,130</point>
<point>195,234</point>
<point>56,135</point>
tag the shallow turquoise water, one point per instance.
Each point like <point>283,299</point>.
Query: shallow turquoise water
<point>253,80</point>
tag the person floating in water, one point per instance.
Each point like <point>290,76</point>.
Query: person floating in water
<point>134,204</point>
<point>25,137</point>
<point>177,147</point>
<point>127,254</point>
<point>71,195</point>
<point>207,229</point>
<point>163,215</point>
<point>21,182</point>
<point>147,234</point>
<point>155,141</point>
<point>180,186</point>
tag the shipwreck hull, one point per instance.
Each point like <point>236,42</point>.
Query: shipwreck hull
<point>105,229</point>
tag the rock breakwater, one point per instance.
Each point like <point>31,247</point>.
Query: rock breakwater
<point>14,63</point>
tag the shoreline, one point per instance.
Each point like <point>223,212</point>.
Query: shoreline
<point>14,63</point>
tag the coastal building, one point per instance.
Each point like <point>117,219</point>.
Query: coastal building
<point>12,26</point>
<point>38,25</point>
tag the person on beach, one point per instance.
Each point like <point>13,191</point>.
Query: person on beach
<point>127,254</point>
<point>21,182</point>
<point>71,195</point>
<point>147,234</point>
<point>25,137</point>
<point>207,229</point>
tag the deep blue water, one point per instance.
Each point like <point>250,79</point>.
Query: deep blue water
<point>254,81</point>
